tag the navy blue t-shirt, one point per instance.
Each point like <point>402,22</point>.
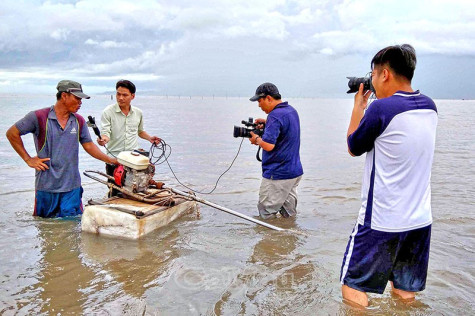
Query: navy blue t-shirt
<point>282,130</point>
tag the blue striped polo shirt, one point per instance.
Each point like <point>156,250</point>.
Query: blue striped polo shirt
<point>61,146</point>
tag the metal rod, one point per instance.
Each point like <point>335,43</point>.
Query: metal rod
<point>193,197</point>
<point>127,192</point>
<point>227,210</point>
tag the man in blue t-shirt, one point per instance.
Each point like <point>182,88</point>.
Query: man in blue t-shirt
<point>391,239</point>
<point>57,132</point>
<point>281,167</point>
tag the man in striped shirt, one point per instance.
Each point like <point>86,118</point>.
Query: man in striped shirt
<point>391,239</point>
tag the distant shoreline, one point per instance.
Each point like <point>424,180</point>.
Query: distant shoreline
<point>147,95</point>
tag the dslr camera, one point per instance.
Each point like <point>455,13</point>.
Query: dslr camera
<point>240,131</point>
<point>354,84</point>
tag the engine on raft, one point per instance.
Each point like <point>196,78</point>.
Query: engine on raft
<point>133,178</point>
<point>135,172</point>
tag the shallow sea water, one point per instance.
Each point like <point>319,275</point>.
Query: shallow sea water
<point>218,264</point>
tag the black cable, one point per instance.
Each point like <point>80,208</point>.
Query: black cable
<point>163,147</point>
<point>110,152</point>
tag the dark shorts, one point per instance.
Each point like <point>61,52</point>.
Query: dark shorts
<point>373,258</point>
<point>48,204</point>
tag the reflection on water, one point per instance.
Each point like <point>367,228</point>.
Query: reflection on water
<point>131,267</point>
<point>62,277</point>
<point>220,264</point>
<point>273,272</point>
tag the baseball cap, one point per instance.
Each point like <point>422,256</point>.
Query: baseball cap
<point>72,87</point>
<point>264,90</point>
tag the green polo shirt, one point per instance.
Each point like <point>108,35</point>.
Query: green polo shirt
<point>121,129</point>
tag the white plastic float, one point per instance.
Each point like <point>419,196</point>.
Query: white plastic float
<point>125,218</point>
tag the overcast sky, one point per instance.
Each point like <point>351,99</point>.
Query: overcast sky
<point>228,47</point>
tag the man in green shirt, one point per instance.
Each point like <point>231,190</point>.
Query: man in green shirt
<point>121,122</point>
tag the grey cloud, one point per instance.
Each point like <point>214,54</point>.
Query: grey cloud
<point>199,45</point>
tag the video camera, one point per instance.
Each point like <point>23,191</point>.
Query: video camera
<point>240,131</point>
<point>354,84</point>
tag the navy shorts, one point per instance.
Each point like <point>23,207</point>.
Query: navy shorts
<point>49,204</point>
<point>373,258</point>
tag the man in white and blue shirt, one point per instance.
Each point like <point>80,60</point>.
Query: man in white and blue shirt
<point>391,239</point>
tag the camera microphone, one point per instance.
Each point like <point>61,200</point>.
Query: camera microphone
<point>92,123</point>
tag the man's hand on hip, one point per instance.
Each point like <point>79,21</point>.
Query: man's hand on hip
<point>37,163</point>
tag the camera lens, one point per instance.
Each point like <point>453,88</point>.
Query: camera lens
<point>241,132</point>
<point>354,84</point>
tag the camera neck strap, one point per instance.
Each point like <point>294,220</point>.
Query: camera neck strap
<point>257,154</point>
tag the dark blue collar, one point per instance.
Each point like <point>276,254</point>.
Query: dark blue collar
<point>282,104</point>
